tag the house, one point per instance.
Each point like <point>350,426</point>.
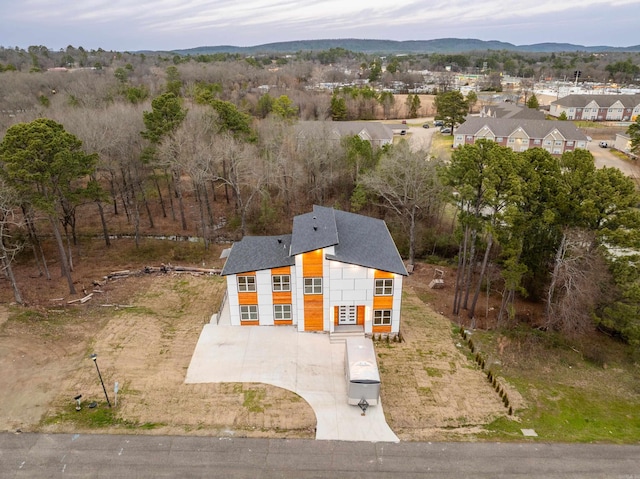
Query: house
<point>597,107</point>
<point>335,269</point>
<point>554,136</point>
<point>378,134</point>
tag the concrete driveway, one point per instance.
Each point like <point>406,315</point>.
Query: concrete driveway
<point>604,157</point>
<point>305,363</point>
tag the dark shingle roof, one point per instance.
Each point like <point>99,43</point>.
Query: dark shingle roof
<point>366,241</point>
<point>313,231</point>
<point>254,253</point>
<point>504,127</point>
<point>357,239</point>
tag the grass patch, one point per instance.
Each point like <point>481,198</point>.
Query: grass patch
<point>100,417</point>
<point>253,400</point>
<point>433,372</point>
<point>574,391</point>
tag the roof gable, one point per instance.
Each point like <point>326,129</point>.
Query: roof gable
<point>312,231</point>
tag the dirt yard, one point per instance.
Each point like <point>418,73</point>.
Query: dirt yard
<point>144,329</point>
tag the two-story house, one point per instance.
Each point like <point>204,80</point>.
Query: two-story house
<point>554,136</point>
<point>597,107</point>
<point>335,269</point>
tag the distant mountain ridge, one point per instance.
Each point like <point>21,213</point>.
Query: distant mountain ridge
<point>441,45</point>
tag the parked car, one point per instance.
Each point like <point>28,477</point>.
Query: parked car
<point>426,125</point>
<point>603,144</point>
<point>438,123</point>
<point>403,132</point>
<point>404,122</point>
<point>445,130</point>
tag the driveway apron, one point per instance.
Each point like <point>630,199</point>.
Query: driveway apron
<point>305,363</point>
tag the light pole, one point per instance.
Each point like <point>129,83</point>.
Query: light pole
<point>94,356</point>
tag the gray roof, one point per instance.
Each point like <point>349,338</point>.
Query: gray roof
<point>604,101</point>
<point>337,129</point>
<point>536,129</point>
<point>313,231</point>
<point>357,239</point>
<point>366,241</point>
<point>254,253</point>
<point>511,110</point>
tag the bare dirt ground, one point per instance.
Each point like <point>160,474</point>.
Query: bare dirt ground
<point>146,336</point>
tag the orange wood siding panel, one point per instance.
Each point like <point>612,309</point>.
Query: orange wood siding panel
<point>313,312</point>
<point>360,316</point>
<point>312,264</point>
<point>283,270</point>
<point>282,297</point>
<point>247,298</point>
<point>282,322</point>
<point>336,314</point>
<point>382,275</point>
<point>382,329</point>
<point>383,302</point>
<point>249,323</point>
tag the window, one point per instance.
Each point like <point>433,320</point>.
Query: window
<point>384,287</point>
<point>282,312</point>
<point>381,317</point>
<point>499,139</point>
<point>249,312</point>
<point>246,284</point>
<point>313,286</point>
<point>511,140</point>
<point>536,142</point>
<point>281,282</point>
<point>569,143</point>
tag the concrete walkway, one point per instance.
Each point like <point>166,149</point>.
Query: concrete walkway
<point>305,363</point>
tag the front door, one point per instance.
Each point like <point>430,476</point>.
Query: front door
<point>347,315</point>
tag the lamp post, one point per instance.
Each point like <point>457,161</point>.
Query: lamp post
<point>94,356</point>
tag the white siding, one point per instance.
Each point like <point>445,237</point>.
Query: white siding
<point>234,304</point>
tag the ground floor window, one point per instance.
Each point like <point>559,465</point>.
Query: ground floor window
<point>381,317</point>
<point>282,312</point>
<point>249,312</point>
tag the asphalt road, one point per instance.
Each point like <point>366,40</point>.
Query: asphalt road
<point>134,456</point>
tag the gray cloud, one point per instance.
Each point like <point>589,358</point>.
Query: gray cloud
<point>168,24</point>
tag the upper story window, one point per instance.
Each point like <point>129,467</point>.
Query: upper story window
<point>246,284</point>
<point>384,287</point>
<point>313,286</point>
<point>281,282</point>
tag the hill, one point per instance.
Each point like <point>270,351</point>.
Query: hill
<point>442,45</point>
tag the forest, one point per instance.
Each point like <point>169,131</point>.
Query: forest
<point>97,143</point>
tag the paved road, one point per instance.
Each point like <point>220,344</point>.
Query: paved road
<point>604,157</point>
<point>96,456</point>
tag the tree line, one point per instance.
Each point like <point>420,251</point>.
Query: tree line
<point>203,148</point>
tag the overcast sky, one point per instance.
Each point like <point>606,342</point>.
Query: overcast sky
<point>130,25</point>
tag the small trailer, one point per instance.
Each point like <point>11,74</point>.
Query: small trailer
<point>361,371</point>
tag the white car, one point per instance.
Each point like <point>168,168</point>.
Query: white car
<point>603,144</point>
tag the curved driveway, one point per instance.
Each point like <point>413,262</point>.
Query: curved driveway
<point>305,363</point>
